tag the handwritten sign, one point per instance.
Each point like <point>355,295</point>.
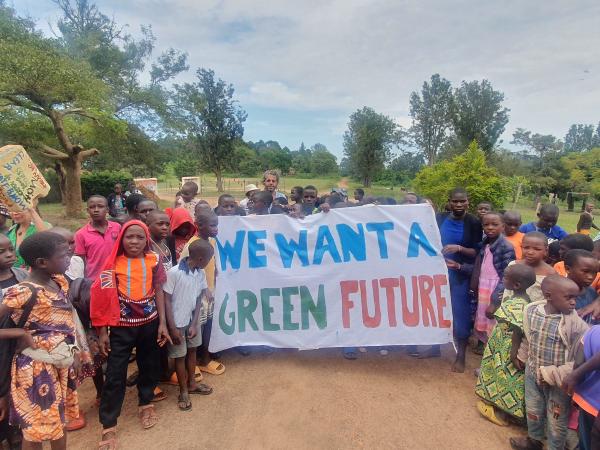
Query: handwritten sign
<point>363,276</point>
<point>149,183</point>
<point>21,182</point>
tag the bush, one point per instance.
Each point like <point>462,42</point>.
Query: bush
<point>103,182</point>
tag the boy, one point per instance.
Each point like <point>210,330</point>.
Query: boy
<point>574,241</point>
<point>582,268</point>
<point>586,220</point>
<point>189,190</point>
<point>159,225</point>
<point>483,208</point>
<point>226,206</point>
<point>76,267</point>
<point>512,222</point>
<point>296,194</point>
<point>547,218</point>
<point>359,195</point>
<point>184,289</point>
<point>95,240</point>
<point>116,202</point>
<point>144,208</point>
<point>553,330</point>
<point>310,197</point>
<point>262,204</point>
<point>250,190</point>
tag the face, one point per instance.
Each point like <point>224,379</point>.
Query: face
<point>563,297</point>
<point>583,272</point>
<point>562,250</point>
<point>310,197</point>
<point>255,204</point>
<point>589,207</point>
<point>228,206</point>
<point>134,241</point>
<point>144,208</point>
<point>70,238</point>
<point>118,189</point>
<point>60,260</point>
<point>483,209</point>
<point>459,203</point>
<point>183,231</point>
<point>534,250</point>
<point>270,183</point>
<point>410,199</point>
<point>21,217</point>
<point>188,194</point>
<point>159,227</point>
<point>547,220</point>
<point>511,225</point>
<point>492,225</point>
<point>510,282</point>
<point>295,195</point>
<point>97,209</point>
<point>209,227</point>
<point>7,253</point>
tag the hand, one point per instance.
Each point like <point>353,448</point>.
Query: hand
<point>569,383</point>
<point>77,364</point>
<point>518,363</point>
<point>490,310</point>
<point>452,248</point>
<point>210,298</point>
<point>325,207</point>
<point>25,341</point>
<point>104,342</point>
<point>192,331</point>
<point>593,309</point>
<point>176,336</point>
<point>3,408</point>
<point>452,264</point>
<point>163,336</point>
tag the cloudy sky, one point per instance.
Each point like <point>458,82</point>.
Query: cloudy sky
<point>301,67</point>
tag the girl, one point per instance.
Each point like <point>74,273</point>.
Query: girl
<point>501,383</point>
<point>182,229</point>
<point>26,223</point>
<point>39,374</point>
<point>495,255</point>
<point>128,298</point>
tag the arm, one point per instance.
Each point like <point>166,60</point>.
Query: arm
<point>173,331</point>
<point>193,330</point>
<point>593,309</point>
<point>163,333</point>
<point>581,370</point>
<point>466,251</point>
<point>517,337</point>
<point>103,341</point>
<point>37,220</point>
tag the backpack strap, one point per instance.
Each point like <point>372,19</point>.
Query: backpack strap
<point>29,305</point>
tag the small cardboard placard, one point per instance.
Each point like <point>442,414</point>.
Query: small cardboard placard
<point>21,182</point>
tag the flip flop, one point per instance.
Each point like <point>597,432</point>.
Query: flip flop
<point>213,367</point>
<point>76,424</point>
<point>147,416</point>
<point>201,389</point>
<point>174,382</point>
<point>110,443</point>
<point>159,395</point>
<point>489,413</point>
<point>184,403</point>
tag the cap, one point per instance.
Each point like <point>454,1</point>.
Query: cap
<point>251,187</point>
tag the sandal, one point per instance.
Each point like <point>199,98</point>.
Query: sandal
<point>159,395</point>
<point>76,424</point>
<point>111,442</point>
<point>174,382</point>
<point>183,402</point>
<point>213,367</point>
<point>201,389</point>
<point>148,416</point>
<point>489,413</point>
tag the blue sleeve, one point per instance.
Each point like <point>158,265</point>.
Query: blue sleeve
<point>526,228</point>
<point>561,233</point>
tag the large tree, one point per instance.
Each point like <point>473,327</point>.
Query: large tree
<point>540,144</point>
<point>211,119</point>
<point>581,137</point>
<point>431,113</point>
<point>478,114</point>
<point>368,143</point>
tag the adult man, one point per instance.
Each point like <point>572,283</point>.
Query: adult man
<point>270,182</point>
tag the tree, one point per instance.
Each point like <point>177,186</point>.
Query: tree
<point>477,114</point>
<point>36,78</point>
<point>583,170</point>
<point>368,143</point>
<point>541,144</point>
<point>581,137</point>
<point>322,161</point>
<point>405,166</point>
<point>211,119</point>
<point>468,170</point>
<point>431,114</point>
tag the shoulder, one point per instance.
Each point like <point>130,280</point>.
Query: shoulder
<point>527,227</point>
<point>114,226</point>
<point>20,274</point>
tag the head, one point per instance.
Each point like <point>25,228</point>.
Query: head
<point>310,195</point>
<point>296,194</point>
<point>97,208</point>
<point>548,216</point>
<point>261,201</point>
<point>188,191</point>
<point>251,189</point>
<point>483,208</point>
<point>512,222</point>
<point>493,224</point>
<point>227,205</point>
<point>134,239</point>
<point>334,199</point>
<point>131,186</point>
<point>201,206</point>
<point>553,253</point>
<point>159,224</point>
<point>21,218</point>
<point>359,194</point>
<point>208,223</point>
<point>589,207</point>
<point>581,267</point>
<point>200,254</point>
<point>271,180</point>
<point>118,189</point>
<point>410,198</point>
<point>8,255</point>
<point>280,201</point>
<point>132,202</point>
<point>519,277</point>
<point>458,201</point>
<point>535,248</point>
<point>560,293</point>
<point>46,252</point>
<point>144,208</point>
<point>575,241</point>
<point>68,235</point>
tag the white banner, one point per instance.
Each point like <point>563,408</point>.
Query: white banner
<point>364,276</point>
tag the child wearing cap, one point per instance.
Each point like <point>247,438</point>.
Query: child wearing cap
<point>250,189</point>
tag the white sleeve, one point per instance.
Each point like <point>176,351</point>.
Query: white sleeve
<point>169,286</point>
<point>76,268</point>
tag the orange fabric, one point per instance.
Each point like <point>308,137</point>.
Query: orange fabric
<point>560,269</point>
<point>583,404</point>
<point>516,240</point>
<point>134,275</point>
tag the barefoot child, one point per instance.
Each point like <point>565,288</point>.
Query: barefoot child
<point>553,331</point>
<point>40,371</point>
<point>128,298</point>
<point>501,383</point>
<point>512,222</point>
<point>184,289</point>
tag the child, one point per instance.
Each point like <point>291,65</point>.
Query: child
<point>297,194</point>
<point>116,202</point>
<point>226,206</point>
<point>586,220</point>
<point>553,253</point>
<point>159,225</point>
<point>553,330</point>
<point>261,204</point>
<point>189,190</point>
<point>131,204</point>
<point>500,384</point>
<point>512,222</point>
<point>182,229</point>
<point>359,195</point>
<point>582,268</point>
<point>144,208</point>
<point>40,371</point>
<point>309,200</point>
<point>482,209</point>
<point>76,266</point>
<point>4,216</point>
<point>250,190</point>
<point>572,242</point>
<point>184,289</point>
<point>495,255</point>
<point>128,298</point>
<point>547,218</point>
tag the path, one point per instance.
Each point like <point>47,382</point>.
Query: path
<point>316,400</point>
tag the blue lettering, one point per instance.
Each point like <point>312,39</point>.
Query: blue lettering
<point>233,253</point>
<point>418,239</point>
<point>287,249</point>
<point>254,246</point>
<point>353,242</point>
<point>380,228</point>
<point>321,247</point>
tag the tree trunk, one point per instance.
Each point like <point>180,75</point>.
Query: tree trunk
<point>367,181</point>
<point>62,182</point>
<point>219,176</point>
<point>72,168</point>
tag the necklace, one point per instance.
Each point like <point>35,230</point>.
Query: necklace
<point>163,250</point>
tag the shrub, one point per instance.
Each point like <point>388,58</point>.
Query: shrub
<point>103,182</point>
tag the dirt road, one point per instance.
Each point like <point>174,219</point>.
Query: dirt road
<point>315,400</point>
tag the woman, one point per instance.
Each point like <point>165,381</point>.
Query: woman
<point>26,223</point>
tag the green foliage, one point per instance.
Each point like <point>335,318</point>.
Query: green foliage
<point>541,144</point>
<point>583,169</point>
<point>468,170</point>
<point>368,143</point>
<point>581,137</point>
<point>103,182</point>
<point>402,169</point>
<point>323,162</point>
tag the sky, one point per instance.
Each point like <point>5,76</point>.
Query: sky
<point>301,67</point>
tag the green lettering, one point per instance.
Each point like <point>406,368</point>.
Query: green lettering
<point>318,311</point>
<point>287,293</point>
<point>228,328</point>
<point>245,310</point>
<point>267,309</point>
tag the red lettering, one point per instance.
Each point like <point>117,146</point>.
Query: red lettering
<point>425,288</point>
<point>439,281</point>
<point>410,318</point>
<point>347,288</point>
<point>368,320</point>
<point>389,284</point>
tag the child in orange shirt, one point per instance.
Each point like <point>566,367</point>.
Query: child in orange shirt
<point>512,222</point>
